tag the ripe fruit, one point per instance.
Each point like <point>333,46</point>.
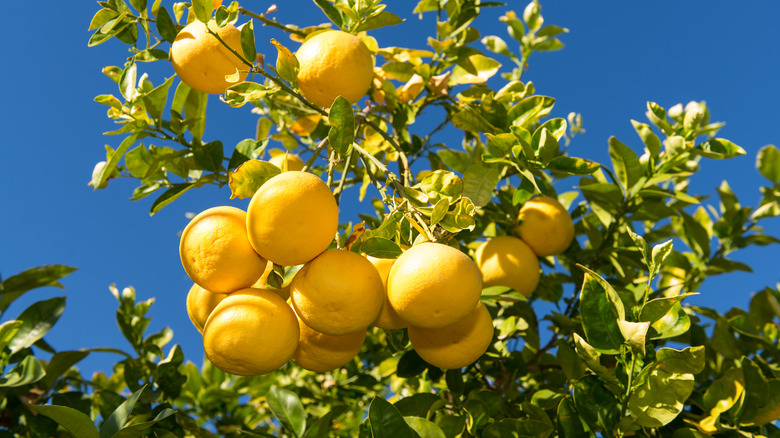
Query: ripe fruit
<point>322,353</point>
<point>292,218</point>
<point>545,226</point>
<point>334,63</point>
<point>433,285</point>
<point>456,345</point>
<point>202,62</point>
<point>293,162</point>
<point>337,293</point>
<point>508,261</point>
<point>388,319</point>
<point>216,253</point>
<point>200,303</point>
<point>251,332</point>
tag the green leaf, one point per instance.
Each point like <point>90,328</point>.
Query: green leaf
<point>475,68</point>
<point>165,26</point>
<point>768,163</point>
<point>27,371</point>
<point>249,176</point>
<point>548,146</point>
<point>40,276</point>
<point>288,409</point>
<point>660,397</point>
<point>600,313</point>
<point>634,333</point>
<point>385,421</point>
<point>331,12</point>
<point>381,248</point>
<point>568,420</point>
<point>154,101</point>
<point>150,55</point>
<point>382,19</point>
<point>442,185</point>
<point>169,196</point>
<point>722,395</point>
<point>248,41</point>
<point>510,427</point>
<point>417,405</point>
<point>208,156</point>
<point>244,92</point>
<point>469,119</point>
<point>120,416</point>
<point>572,165</point>
<point>659,254</point>
<point>626,163</point>
<point>668,325</point>
<point>202,10</point>
<point>689,360</point>
<point>37,320</point>
<point>59,363</point>
<point>114,159</point>
<point>529,110</point>
<point>195,111</point>
<point>595,403</point>
<point>287,64</point>
<point>342,125</point>
<point>439,211</point>
<point>137,429</point>
<point>101,17</point>
<point>719,148</point>
<point>479,182</point>
<point>320,427</point>
<point>592,359</point>
<point>424,428</point>
<point>605,199</point>
<point>651,141</point>
<point>74,421</point>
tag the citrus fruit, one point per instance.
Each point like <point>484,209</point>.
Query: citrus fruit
<point>388,319</point>
<point>508,261</point>
<point>216,253</point>
<point>202,62</point>
<point>456,345</point>
<point>292,218</point>
<point>545,226</point>
<point>251,332</point>
<point>322,353</point>
<point>334,63</point>
<point>293,162</point>
<point>433,285</point>
<point>200,303</point>
<point>337,293</point>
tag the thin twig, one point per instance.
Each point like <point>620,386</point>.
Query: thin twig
<point>316,154</point>
<point>272,23</point>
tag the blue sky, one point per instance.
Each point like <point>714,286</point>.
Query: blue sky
<point>618,55</point>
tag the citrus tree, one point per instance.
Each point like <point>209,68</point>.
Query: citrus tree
<point>478,298</point>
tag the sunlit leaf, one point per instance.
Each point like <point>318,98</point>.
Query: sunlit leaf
<point>768,163</point>
<point>474,69</point>
<point>600,315</point>
<point>249,176</point>
<point>342,125</point>
<point>719,148</point>
<point>381,248</point>
<point>479,182</point>
<point>37,320</point>
<point>383,19</point>
<point>25,372</point>
<point>286,63</point>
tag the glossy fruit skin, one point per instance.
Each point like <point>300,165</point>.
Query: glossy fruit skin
<point>322,353</point>
<point>202,62</point>
<point>433,285</point>
<point>215,251</point>
<point>508,261</point>
<point>337,293</point>
<point>200,304</point>
<point>334,63</point>
<point>292,218</point>
<point>545,225</point>
<point>251,332</point>
<point>457,345</point>
<point>388,318</point>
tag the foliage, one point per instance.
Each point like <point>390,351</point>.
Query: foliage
<point>622,354</point>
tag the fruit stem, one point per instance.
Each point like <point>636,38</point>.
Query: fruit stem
<point>316,154</point>
<point>363,117</point>
<point>272,23</point>
<point>418,222</point>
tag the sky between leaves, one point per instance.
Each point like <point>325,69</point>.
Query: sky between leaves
<point>618,55</point>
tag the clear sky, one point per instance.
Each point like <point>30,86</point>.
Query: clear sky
<point>618,55</point>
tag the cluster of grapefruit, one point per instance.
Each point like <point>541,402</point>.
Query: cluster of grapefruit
<point>319,319</point>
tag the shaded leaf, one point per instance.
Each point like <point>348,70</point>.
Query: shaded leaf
<point>385,421</point>
<point>382,19</point>
<point>331,12</point>
<point>165,26</point>
<point>40,276</point>
<point>288,409</point>
<point>25,372</point>
<point>380,247</point>
<point>342,125</point>
<point>600,315</point>
<point>169,196</point>
<point>479,182</point>
<point>595,403</point>
<point>625,162</point>
<point>120,416</point>
<point>572,165</point>
<point>76,422</point>
<point>719,148</point>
